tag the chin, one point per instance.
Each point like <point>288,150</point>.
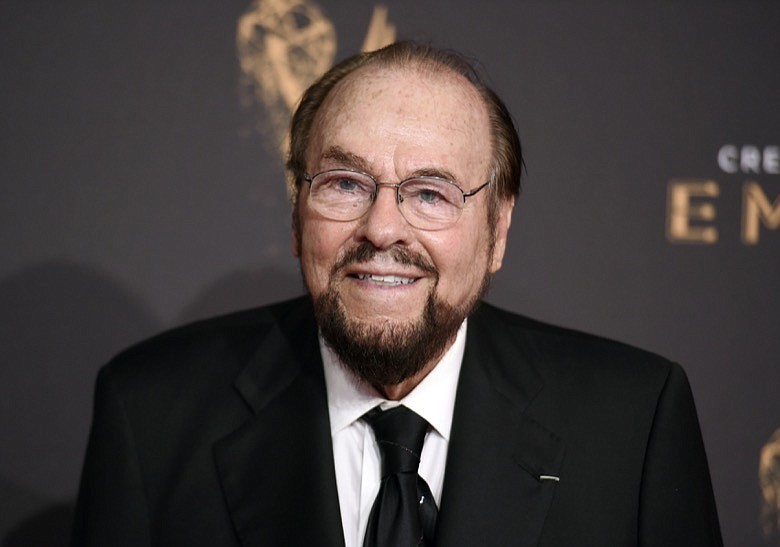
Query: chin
<point>383,350</point>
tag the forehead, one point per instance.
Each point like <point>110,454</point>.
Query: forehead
<point>404,119</point>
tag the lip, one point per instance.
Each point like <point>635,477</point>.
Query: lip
<point>382,277</point>
<point>386,280</point>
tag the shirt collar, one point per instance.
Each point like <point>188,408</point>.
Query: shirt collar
<point>433,398</point>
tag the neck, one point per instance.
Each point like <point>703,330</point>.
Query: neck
<point>396,392</point>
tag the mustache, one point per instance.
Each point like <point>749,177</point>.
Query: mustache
<point>365,252</point>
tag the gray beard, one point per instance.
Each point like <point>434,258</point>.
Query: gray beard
<point>385,355</point>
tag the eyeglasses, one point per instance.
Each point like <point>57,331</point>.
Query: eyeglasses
<point>427,203</point>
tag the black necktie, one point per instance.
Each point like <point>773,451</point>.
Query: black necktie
<point>404,512</point>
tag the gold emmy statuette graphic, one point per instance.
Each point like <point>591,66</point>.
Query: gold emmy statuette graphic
<point>380,32</point>
<point>769,479</point>
<point>283,47</point>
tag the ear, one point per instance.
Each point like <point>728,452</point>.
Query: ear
<point>503,222</point>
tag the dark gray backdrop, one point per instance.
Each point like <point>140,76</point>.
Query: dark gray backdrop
<point>137,193</point>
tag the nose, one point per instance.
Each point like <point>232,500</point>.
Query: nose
<point>383,225</point>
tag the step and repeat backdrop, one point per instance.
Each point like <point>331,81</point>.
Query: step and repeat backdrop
<point>142,187</point>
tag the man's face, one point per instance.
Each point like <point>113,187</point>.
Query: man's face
<point>381,273</point>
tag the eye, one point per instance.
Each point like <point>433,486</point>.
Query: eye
<point>429,196</point>
<point>430,192</point>
<point>345,184</point>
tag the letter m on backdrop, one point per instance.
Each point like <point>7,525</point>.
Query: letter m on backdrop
<point>756,209</point>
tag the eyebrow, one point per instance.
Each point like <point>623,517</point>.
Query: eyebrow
<point>436,172</point>
<point>348,159</point>
<point>355,161</point>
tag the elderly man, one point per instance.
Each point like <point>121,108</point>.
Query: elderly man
<point>389,407</point>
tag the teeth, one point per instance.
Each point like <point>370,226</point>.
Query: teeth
<point>386,279</point>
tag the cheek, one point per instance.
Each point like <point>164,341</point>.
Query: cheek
<point>461,259</point>
<point>315,245</point>
<point>321,243</point>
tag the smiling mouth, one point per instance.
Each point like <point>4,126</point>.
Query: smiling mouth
<point>389,280</point>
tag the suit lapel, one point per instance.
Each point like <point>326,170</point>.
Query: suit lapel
<point>493,494</point>
<point>277,470</point>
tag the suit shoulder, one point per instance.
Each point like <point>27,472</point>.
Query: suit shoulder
<point>550,344</point>
<point>218,345</point>
<point>578,374</point>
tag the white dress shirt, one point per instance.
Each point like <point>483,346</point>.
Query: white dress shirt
<point>355,451</point>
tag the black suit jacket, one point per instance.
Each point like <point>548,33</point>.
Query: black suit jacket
<point>217,434</point>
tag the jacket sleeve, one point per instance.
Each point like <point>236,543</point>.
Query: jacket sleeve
<point>111,507</point>
<point>677,506</point>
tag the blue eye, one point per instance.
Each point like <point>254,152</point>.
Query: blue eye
<point>429,196</point>
<point>430,192</point>
<point>346,184</point>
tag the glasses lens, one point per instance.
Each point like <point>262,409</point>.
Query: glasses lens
<point>341,195</point>
<point>430,203</point>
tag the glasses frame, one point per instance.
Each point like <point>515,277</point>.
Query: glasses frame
<point>397,186</point>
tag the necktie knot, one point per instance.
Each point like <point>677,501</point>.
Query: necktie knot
<point>400,434</point>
